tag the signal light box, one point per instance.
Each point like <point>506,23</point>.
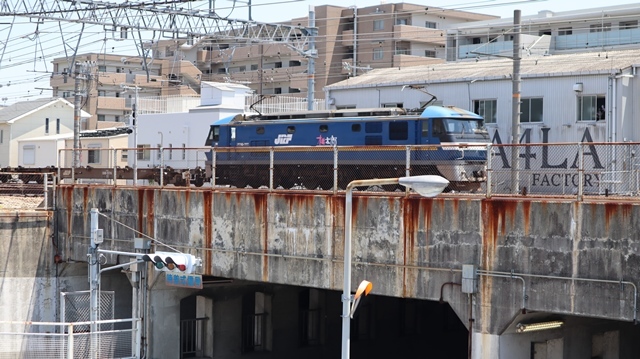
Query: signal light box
<point>182,280</point>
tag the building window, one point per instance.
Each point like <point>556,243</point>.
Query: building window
<point>1,136</point>
<point>531,110</point>
<point>591,108</point>
<point>393,105</point>
<point>57,126</point>
<point>378,54</point>
<point>310,319</point>
<point>398,131</point>
<point>429,53</point>
<point>144,154</point>
<point>378,25</point>
<point>403,51</point>
<point>626,25</point>
<point>160,151</point>
<point>125,155</point>
<point>486,109</point>
<point>94,154</point>
<point>544,32</point>
<point>402,21</point>
<point>100,117</point>
<point>600,27</point>
<point>117,118</point>
<point>256,325</point>
<point>102,93</point>
<point>170,151</point>
<point>184,151</point>
<point>46,126</point>
<point>29,155</point>
<point>254,67</point>
<point>430,25</point>
<point>102,68</point>
<point>66,94</point>
<point>565,31</point>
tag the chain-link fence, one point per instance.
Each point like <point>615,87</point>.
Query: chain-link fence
<point>559,169</point>
<point>44,340</point>
<point>22,189</point>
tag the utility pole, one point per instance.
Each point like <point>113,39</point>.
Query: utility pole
<point>94,282</point>
<point>311,65</point>
<point>515,114</point>
<point>77,110</point>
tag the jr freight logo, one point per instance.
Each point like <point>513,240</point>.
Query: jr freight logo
<point>283,139</point>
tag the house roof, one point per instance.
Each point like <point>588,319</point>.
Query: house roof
<point>588,63</point>
<point>18,110</point>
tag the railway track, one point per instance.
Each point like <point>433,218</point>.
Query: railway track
<point>21,189</point>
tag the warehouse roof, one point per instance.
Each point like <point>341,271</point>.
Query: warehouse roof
<point>588,63</point>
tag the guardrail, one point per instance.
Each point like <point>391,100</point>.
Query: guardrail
<point>558,170</point>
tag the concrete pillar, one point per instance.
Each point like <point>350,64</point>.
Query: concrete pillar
<point>485,346</point>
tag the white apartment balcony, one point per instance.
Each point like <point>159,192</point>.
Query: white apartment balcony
<point>411,60</point>
<point>419,34</point>
<point>597,39</point>
<point>111,103</point>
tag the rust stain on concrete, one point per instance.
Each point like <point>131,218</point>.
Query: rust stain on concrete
<point>85,198</point>
<point>614,212</point>
<point>495,214</point>
<point>526,216</point>
<point>207,202</point>
<point>140,193</point>
<point>260,213</point>
<point>150,202</point>
<point>411,209</point>
<point>68,196</point>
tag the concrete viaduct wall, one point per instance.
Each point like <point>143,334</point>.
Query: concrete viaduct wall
<point>568,258</point>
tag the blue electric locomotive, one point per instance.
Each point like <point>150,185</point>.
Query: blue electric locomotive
<point>454,146</point>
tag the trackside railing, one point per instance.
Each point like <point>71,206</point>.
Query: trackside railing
<point>52,340</point>
<point>570,170</point>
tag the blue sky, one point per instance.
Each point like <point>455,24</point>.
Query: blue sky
<point>25,65</point>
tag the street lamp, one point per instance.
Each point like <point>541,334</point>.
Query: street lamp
<point>426,186</point>
<point>135,130</point>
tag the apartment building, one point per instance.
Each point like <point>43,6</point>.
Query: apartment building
<point>350,40</point>
<point>112,82</point>
<point>596,29</point>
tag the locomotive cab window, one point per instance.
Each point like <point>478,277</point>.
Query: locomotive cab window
<point>214,135</point>
<point>260,130</point>
<point>291,129</point>
<point>398,131</point>
<point>324,128</point>
<point>425,128</point>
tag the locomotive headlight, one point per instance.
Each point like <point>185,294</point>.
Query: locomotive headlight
<point>426,186</point>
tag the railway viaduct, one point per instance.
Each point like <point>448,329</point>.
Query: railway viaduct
<point>278,255</point>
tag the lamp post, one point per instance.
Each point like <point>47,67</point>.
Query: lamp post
<point>426,186</point>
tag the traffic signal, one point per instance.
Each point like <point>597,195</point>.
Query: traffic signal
<point>172,261</point>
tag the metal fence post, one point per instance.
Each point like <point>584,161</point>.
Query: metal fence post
<point>407,162</point>
<point>115,165</point>
<point>271,157</point>
<point>46,190</point>
<point>70,342</point>
<point>581,171</point>
<point>335,169</point>
<point>213,167</point>
<point>162,166</point>
<point>489,169</point>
